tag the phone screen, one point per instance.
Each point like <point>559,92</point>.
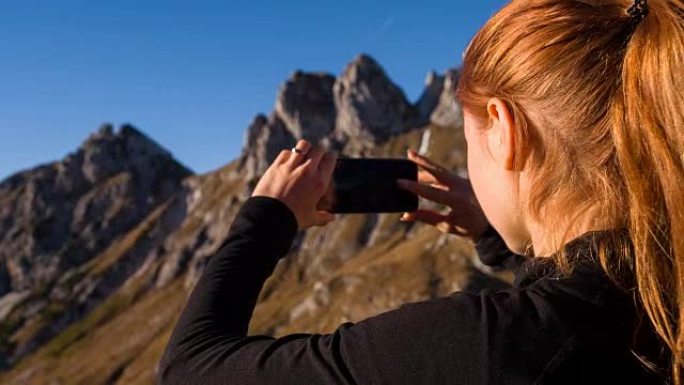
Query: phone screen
<point>364,185</point>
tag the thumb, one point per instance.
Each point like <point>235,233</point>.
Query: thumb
<point>323,218</point>
<point>426,216</point>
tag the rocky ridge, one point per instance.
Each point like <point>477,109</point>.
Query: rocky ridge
<point>57,217</point>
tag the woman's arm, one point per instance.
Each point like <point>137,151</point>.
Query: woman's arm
<point>436,341</point>
<point>209,340</point>
<point>209,344</point>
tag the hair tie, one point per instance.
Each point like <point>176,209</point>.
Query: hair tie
<point>638,12</point>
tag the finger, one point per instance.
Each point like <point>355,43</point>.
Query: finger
<point>440,173</point>
<point>327,166</point>
<point>439,186</point>
<point>460,231</point>
<point>422,215</point>
<point>429,217</point>
<point>313,158</point>
<point>323,218</point>
<point>446,227</point>
<point>426,178</point>
<point>305,147</point>
<point>427,192</point>
<point>282,157</point>
<point>450,228</point>
<point>440,221</point>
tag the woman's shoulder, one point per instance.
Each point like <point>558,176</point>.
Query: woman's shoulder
<point>513,333</point>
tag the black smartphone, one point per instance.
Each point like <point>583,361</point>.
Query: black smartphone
<point>367,185</point>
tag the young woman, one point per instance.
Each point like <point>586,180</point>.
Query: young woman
<point>574,125</point>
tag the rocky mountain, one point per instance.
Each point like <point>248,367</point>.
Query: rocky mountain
<point>98,251</point>
<point>56,218</point>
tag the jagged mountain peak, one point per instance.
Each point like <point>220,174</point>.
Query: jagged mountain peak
<point>353,112</point>
<point>364,61</point>
<point>126,131</point>
<point>108,152</point>
<point>306,106</point>
<point>364,68</point>
<point>370,107</point>
<point>436,104</point>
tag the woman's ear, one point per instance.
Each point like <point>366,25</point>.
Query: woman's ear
<point>501,134</point>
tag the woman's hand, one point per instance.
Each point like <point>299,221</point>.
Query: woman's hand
<point>300,181</point>
<point>435,183</point>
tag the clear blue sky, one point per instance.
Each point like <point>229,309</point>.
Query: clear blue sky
<point>193,74</point>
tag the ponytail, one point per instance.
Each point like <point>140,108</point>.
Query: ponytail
<point>648,131</point>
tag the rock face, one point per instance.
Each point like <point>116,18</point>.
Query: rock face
<point>265,138</point>
<point>370,108</point>
<point>428,101</point>
<point>306,106</point>
<point>59,216</point>
<point>354,112</point>
<point>99,251</point>
<point>437,102</point>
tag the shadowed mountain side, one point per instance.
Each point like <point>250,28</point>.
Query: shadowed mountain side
<point>69,229</point>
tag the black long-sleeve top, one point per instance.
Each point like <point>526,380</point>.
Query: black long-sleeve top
<point>546,329</point>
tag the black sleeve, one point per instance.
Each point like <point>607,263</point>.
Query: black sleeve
<point>443,340</point>
<point>493,251</point>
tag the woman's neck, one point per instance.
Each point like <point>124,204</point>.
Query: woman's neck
<point>542,239</point>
